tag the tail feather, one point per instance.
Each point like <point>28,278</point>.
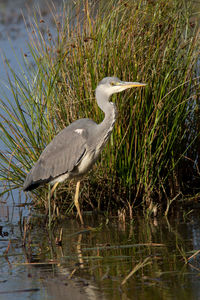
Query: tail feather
<point>30,187</point>
<point>30,184</point>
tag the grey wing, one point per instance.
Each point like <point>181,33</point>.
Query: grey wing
<point>63,153</point>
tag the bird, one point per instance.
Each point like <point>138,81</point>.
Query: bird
<point>75,149</point>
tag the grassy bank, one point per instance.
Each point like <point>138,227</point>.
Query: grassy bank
<point>153,155</point>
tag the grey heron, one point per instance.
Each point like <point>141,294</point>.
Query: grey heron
<point>76,148</point>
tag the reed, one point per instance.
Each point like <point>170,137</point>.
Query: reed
<point>153,153</point>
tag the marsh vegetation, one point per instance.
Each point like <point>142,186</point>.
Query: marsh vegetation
<point>153,155</point>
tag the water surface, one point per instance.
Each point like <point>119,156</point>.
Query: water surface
<point>103,260</point>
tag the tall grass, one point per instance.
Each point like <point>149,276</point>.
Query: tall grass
<point>153,155</point>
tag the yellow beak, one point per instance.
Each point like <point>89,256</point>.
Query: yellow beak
<point>132,84</point>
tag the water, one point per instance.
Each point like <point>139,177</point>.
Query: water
<point>93,262</point>
<point>13,32</point>
<point>13,42</point>
<point>107,259</point>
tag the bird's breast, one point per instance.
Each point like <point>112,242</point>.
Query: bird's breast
<point>93,153</point>
<point>87,162</point>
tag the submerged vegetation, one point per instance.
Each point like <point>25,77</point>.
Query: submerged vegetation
<point>153,155</point>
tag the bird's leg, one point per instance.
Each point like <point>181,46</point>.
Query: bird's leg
<point>50,194</point>
<point>77,203</point>
<point>53,188</point>
<point>53,193</point>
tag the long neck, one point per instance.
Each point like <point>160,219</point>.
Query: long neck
<point>110,111</point>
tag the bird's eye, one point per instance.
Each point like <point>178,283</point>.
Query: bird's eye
<point>112,83</point>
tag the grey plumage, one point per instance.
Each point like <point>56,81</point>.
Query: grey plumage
<point>76,148</point>
<point>61,156</point>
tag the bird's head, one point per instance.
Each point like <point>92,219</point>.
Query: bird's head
<point>112,85</point>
